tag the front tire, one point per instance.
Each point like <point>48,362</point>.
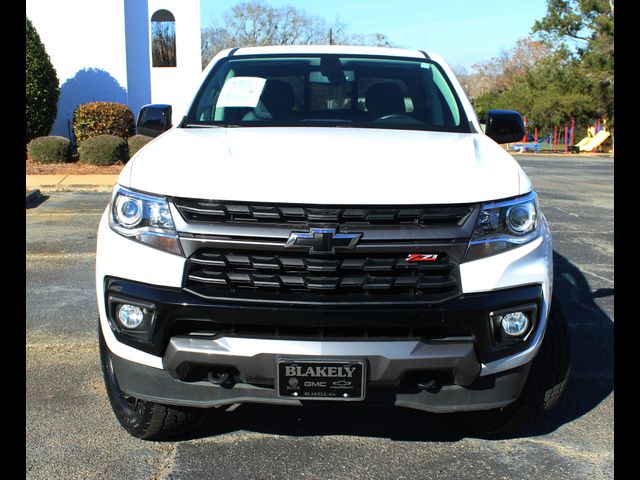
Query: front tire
<point>141,418</point>
<point>544,387</point>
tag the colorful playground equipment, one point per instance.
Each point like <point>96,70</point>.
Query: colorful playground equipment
<point>562,141</point>
<point>593,139</point>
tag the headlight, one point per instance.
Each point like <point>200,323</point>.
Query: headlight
<point>144,218</point>
<point>504,225</point>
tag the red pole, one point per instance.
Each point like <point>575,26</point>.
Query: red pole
<point>573,128</point>
<point>526,129</point>
<point>566,136</point>
<point>535,134</point>
<point>598,129</point>
<point>555,138</point>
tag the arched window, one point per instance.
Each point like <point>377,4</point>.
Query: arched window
<point>163,39</point>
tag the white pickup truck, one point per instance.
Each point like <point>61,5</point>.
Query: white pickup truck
<point>327,224</point>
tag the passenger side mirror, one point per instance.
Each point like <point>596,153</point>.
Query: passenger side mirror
<point>154,120</point>
<point>504,126</point>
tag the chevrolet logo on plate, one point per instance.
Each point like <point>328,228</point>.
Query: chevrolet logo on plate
<point>322,240</point>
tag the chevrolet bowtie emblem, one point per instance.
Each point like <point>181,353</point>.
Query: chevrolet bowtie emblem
<point>322,240</point>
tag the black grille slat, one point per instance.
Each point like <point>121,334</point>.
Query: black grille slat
<point>372,265</point>
<point>265,263</point>
<point>316,265</point>
<point>203,276</point>
<point>220,212</point>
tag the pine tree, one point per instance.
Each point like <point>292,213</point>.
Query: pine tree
<point>42,87</point>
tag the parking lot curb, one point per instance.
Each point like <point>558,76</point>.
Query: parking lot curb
<point>71,183</point>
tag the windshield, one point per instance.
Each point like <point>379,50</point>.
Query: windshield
<point>328,90</point>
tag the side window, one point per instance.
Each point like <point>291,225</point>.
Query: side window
<point>163,39</point>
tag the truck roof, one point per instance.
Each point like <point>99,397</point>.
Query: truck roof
<point>324,49</point>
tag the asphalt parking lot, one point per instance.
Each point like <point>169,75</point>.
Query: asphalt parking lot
<point>71,431</point>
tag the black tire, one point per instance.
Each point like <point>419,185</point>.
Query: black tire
<point>141,418</point>
<point>544,386</point>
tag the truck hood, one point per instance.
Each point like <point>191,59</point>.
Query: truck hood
<point>339,166</point>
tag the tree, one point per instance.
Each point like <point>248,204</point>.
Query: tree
<point>587,27</point>
<point>163,44</point>
<point>256,23</point>
<point>500,73</point>
<point>42,87</point>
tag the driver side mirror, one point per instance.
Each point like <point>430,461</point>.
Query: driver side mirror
<point>504,126</point>
<point>154,120</point>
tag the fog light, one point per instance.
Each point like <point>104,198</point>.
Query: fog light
<point>130,316</point>
<point>514,324</point>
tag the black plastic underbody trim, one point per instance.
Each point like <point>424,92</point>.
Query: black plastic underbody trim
<point>159,386</point>
<point>176,308</point>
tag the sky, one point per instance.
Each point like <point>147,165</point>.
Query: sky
<point>464,32</point>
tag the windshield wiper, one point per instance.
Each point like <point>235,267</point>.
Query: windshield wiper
<point>217,125</point>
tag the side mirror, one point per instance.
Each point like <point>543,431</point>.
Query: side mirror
<point>504,126</point>
<point>154,120</point>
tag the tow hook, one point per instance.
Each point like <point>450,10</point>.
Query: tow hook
<point>220,378</point>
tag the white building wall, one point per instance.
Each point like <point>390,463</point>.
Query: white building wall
<point>176,86</point>
<point>86,43</point>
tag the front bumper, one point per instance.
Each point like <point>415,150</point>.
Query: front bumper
<point>187,337</point>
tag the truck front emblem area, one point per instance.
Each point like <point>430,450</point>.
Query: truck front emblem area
<point>322,240</point>
<point>422,257</point>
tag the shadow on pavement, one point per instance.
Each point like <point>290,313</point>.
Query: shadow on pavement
<point>591,381</point>
<point>36,200</point>
<point>591,335</point>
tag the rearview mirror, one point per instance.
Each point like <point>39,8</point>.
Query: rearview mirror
<point>318,77</point>
<point>154,120</point>
<point>504,126</point>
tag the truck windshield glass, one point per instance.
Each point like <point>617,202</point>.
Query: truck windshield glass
<point>328,90</point>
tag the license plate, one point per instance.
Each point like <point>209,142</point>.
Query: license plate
<point>321,379</point>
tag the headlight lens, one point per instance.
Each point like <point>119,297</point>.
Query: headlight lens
<point>128,211</point>
<point>521,218</point>
<point>144,218</point>
<point>504,225</point>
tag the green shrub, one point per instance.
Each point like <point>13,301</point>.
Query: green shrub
<point>137,142</point>
<point>42,87</point>
<point>49,149</point>
<point>103,150</point>
<point>102,118</point>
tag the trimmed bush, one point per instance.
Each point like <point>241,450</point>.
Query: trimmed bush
<point>103,150</point>
<point>137,142</point>
<point>42,87</point>
<point>49,149</point>
<point>102,118</point>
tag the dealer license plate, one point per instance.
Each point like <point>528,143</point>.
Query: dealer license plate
<point>321,379</point>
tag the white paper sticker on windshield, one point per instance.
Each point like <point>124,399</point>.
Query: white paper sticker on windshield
<point>241,92</point>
